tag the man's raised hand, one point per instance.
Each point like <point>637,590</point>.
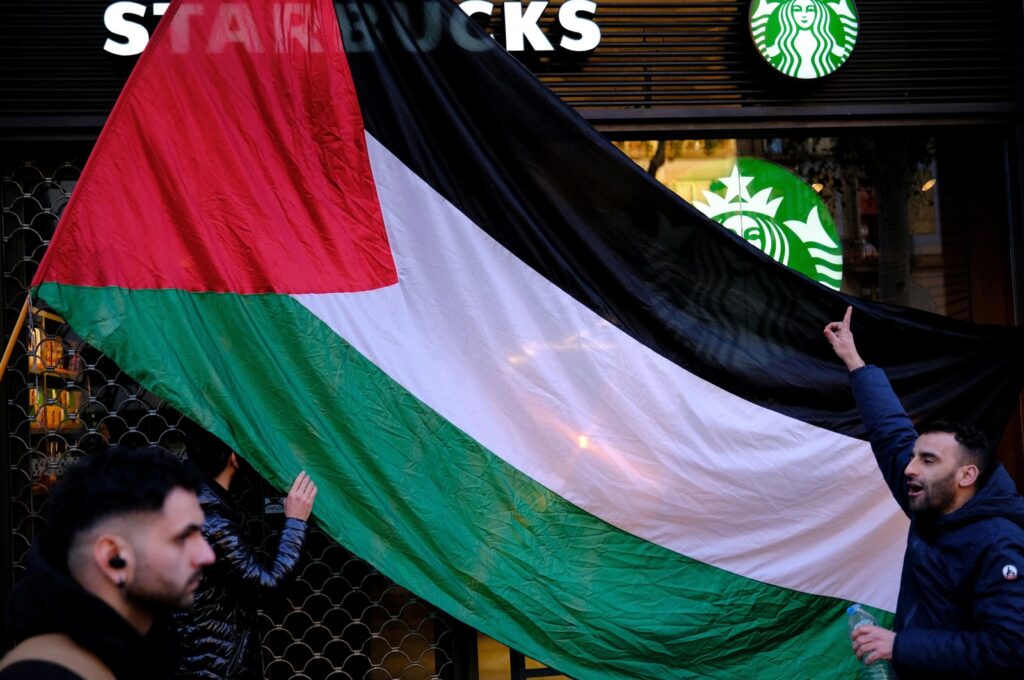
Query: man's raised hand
<point>840,336</point>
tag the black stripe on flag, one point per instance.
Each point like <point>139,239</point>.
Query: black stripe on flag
<point>487,135</point>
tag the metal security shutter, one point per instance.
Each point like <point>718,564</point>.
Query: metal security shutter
<point>682,59</point>
<point>932,57</point>
<point>53,70</point>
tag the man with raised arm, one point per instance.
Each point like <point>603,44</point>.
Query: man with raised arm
<point>960,612</point>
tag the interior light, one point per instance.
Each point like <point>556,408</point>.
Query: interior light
<point>818,186</point>
<point>928,185</point>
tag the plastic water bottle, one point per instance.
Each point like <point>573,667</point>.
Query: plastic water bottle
<point>879,670</point>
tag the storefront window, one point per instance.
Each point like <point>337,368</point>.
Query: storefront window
<point>913,220</point>
<point>495,661</point>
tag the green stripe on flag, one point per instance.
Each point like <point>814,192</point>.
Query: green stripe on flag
<point>436,512</point>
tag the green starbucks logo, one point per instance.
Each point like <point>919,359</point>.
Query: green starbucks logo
<point>779,213</point>
<point>804,38</point>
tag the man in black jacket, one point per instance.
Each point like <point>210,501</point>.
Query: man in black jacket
<point>218,633</point>
<point>960,612</point>
<point>121,547</point>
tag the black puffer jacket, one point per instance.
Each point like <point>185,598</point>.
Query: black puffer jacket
<point>218,634</point>
<point>48,600</point>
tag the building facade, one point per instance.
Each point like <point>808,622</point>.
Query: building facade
<point>903,138</point>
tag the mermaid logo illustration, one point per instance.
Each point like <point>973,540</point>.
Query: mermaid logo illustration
<point>804,38</point>
<point>794,227</point>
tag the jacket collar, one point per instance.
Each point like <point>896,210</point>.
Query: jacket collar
<point>48,600</point>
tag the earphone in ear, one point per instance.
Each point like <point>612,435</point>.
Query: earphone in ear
<point>117,562</point>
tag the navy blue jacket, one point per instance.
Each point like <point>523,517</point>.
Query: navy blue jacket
<point>960,612</point>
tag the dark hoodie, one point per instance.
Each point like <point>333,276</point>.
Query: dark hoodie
<point>960,612</point>
<point>48,600</point>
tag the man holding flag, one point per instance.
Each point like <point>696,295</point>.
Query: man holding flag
<point>960,612</point>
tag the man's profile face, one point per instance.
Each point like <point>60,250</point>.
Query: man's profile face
<point>171,554</point>
<point>931,472</point>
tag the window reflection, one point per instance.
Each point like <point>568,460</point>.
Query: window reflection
<point>882,196</point>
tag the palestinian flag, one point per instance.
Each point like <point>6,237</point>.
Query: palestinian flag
<point>534,386</point>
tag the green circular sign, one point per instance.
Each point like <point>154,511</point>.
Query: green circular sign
<point>804,38</point>
<point>776,211</point>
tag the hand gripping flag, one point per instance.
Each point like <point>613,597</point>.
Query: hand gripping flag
<point>534,386</point>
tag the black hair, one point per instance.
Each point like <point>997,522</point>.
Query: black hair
<point>207,452</point>
<point>115,481</point>
<point>974,446</point>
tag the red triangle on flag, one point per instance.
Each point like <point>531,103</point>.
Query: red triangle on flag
<point>234,161</point>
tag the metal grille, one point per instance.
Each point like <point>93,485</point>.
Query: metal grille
<point>699,53</point>
<point>955,57</point>
<point>340,619</point>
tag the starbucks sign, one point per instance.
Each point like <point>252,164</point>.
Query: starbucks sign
<point>804,38</point>
<point>779,213</point>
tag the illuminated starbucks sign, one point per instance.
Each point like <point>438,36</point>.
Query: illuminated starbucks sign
<point>776,211</point>
<point>804,38</point>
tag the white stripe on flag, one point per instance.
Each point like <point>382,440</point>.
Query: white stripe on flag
<point>600,419</point>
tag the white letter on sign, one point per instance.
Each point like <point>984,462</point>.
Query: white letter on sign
<point>590,32</point>
<point>519,26</point>
<point>137,35</point>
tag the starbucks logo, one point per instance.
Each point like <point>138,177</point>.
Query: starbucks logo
<point>804,38</point>
<point>779,213</point>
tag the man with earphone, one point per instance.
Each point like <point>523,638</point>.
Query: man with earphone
<point>122,547</point>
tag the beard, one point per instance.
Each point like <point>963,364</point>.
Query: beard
<point>936,495</point>
<point>158,596</point>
